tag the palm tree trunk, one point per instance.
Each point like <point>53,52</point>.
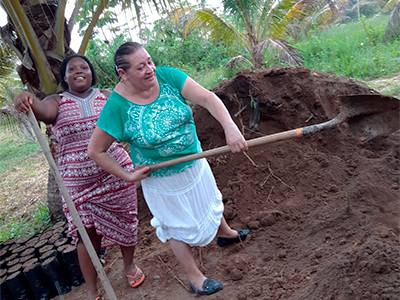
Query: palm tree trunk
<point>54,199</point>
<point>54,202</point>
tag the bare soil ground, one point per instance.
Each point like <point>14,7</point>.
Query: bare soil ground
<point>323,210</point>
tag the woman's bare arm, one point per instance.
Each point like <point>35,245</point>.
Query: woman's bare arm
<point>45,110</point>
<point>196,94</point>
<point>97,151</point>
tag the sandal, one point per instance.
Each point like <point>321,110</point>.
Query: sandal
<point>98,298</point>
<point>135,280</point>
<point>209,287</point>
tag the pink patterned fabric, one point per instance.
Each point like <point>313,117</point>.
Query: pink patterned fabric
<point>102,200</point>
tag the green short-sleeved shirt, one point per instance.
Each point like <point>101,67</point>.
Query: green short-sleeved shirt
<point>159,131</point>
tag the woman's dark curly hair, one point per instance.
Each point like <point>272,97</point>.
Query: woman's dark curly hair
<point>63,69</point>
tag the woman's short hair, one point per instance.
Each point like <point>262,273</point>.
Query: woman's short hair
<point>63,70</point>
<point>120,57</point>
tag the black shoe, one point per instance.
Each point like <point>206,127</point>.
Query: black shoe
<point>209,287</point>
<point>101,256</point>
<point>223,242</point>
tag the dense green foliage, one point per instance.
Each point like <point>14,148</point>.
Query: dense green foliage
<point>358,50</point>
<point>101,55</point>
<point>201,59</point>
<point>10,83</point>
<point>193,53</point>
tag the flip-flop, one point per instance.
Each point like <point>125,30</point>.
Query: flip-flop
<point>98,298</point>
<point>136,282</point>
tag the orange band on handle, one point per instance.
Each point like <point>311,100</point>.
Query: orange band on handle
<point>298,132</point>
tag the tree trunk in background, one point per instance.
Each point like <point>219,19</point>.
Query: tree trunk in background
<point>54,202</point>
<point>54,199</point>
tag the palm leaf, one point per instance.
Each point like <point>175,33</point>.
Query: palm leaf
<point>92,24</point>
<point>59,26</point>
<point>7,60</point>
<point>9,88</point>
<point>239,61</point>
<point>16,123</point>
<point>75,12</point>
<point>10,119</point>
<point>243,10</point>
<point>273,13</point>
<point>218,28</point>
<point>280,50</point>
<point>180,14</point>
<point>322,16</point>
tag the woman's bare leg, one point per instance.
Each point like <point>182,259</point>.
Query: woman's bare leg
<point>225,231</point>
<point>183,253</point>
<point>88,271</point>
<point>127,256</point>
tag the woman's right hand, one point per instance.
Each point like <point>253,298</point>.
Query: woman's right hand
<point>23,101</point>
<point>140,172</point>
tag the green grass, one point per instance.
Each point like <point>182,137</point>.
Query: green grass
<point>395,92</point>
<point>14,153</point>
<point>26,225</point>
<point>386,86</point>
<point>358,50</point>
<point>15,149</point>
<point>210,78</point>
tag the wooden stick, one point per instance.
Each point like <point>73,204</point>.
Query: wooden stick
<point>225,149</point>
<point>72,209</point>
<point>176,277</point>
<point>281,136</point>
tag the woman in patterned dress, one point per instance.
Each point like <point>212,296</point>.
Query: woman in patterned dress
<point>106,204</point>
<point>149,111</point>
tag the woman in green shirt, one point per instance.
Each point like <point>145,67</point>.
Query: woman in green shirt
<point>148,109</point>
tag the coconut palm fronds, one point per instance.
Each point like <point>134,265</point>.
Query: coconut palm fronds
<point>16,123</point>
<point>239,61</point>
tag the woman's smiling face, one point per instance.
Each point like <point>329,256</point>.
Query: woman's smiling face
<point>78,75</point>
<point>142,72</point>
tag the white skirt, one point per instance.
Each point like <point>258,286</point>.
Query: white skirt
<point>187,206</point>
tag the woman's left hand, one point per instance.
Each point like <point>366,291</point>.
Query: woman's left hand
<point>235,139</point>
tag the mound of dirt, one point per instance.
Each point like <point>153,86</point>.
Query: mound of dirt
<point>323,209</point>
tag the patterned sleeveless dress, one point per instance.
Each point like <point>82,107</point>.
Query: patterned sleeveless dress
<point>103,201</point>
